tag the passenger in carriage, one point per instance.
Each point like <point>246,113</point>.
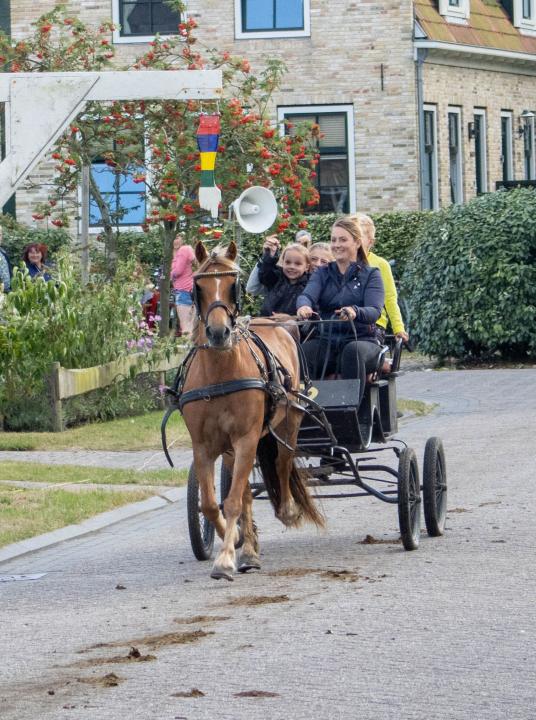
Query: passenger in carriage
<point>320,254</point>
<point>350,288</point>
<point>283,281</point>
<point>391,311</point>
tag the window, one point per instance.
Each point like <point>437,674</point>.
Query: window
<point>528,148</point>
<point>524,16</point>
<point>272,18</point>
<point>335,179</point>
<point>455,155</point>
<point>429,180</point>
<point>124,197</point>
<point>141,20</point>
<point>507,160</point>
<point>455,11</point>
<point>481,165</point>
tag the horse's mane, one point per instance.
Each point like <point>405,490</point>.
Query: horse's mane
<point>216,257</point>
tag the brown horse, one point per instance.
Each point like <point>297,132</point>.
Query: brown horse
<point>237,424</point>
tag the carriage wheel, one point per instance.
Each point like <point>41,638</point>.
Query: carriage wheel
<point>200,529</point>
<point>226,478</point>
<point>434,487</point>
<point>409,499</point>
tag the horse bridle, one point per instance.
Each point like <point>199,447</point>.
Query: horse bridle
<point>235,296</point>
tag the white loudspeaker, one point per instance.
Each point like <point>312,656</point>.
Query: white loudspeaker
<point>255,209</point>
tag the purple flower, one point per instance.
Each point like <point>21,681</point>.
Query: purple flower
<point>141,342</point>
<point>131,344</point>
<point>157,318</point>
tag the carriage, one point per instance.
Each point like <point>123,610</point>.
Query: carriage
<point>346,441</point>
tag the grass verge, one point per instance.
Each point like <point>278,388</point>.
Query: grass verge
<point>136,433</point>
<point>27,513</point>
<point>64,474</point>
<point>417,408</point>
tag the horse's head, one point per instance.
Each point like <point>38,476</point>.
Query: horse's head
<point>216,293</point>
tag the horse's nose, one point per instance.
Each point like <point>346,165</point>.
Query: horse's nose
<point>218,336</point>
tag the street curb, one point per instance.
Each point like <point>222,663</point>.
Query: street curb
<point>91,525</point>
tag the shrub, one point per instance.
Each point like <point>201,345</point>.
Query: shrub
<point>471,280</point>
<point>60,321</point>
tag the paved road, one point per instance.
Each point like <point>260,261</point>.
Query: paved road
<point>360,631</point>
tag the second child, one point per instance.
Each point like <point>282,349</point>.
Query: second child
<point>284,278</point>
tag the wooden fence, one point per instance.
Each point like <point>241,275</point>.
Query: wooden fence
<point>66,383</point>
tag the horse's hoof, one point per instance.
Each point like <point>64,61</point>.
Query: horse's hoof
<point>248,562</point>
<point>221,574</point>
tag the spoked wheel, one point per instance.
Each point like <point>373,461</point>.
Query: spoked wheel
<point>434,487</point>
<point>200,529</point>
<point>226,478</point>
<point>409,499</point>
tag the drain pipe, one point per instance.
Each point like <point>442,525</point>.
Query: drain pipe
<point>420,57</point>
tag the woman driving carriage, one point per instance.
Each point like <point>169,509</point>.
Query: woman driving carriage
<point>351,289</point>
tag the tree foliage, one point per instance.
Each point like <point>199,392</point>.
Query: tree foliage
<point>155,141</point>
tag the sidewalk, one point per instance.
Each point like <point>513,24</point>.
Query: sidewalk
<point>136,460</point>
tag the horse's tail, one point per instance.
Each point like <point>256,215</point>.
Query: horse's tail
<point>267,450</point>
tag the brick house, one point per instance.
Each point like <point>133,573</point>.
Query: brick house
<point>422,103</point>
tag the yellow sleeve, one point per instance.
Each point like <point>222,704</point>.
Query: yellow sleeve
<point>392,311</point>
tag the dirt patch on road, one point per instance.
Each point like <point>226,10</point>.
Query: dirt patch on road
<point>458,510</point>
<point>201,619</point>
<point>193,693</point>
<point>294,572</point>
<point>133,656</point>
<point>154,641</point>
<point>371,540</point>
<point>344,575</point>
<point>108,680</point>
<point>253,600</point>
<point>256,694</point>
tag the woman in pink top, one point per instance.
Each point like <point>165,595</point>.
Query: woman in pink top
<point>182,278</point>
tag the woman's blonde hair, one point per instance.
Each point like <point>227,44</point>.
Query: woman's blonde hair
<point>324,246</point>
<point>351,224</point>
<point>297,247</point>
<point>366,222</point>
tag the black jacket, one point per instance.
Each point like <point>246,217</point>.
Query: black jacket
<point>281,294</point>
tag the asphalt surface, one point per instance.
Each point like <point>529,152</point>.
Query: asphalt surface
<point>353,630</point>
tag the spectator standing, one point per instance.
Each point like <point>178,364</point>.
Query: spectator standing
<point>34,256</point>
<point>5,267</point>
<point>183,282</point>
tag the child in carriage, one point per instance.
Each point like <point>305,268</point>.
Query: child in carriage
<point>284,278</point>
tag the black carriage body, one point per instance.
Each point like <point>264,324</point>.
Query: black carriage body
<point>353,427</point>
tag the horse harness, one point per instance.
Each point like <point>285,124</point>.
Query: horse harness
<point>274,379</point>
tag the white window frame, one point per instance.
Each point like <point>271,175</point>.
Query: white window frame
<point>435,168</point>
<point>119,39</point>
<point>531,175</point>
<point>285,110</point>
<point>526,26</point>
<point>97,229</point>
<point>484,167</point>
<point>240,34</point>
<point>509,144</point>
<point>459,161</point>
<point>457,14</point>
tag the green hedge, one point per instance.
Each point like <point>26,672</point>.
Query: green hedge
<point>471,280</point>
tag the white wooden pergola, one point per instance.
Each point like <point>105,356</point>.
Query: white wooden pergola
<point>39,106</point>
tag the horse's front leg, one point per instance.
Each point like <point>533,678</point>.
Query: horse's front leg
<point>245,450</point>
<point>249,556</point>
<point>204,470</point>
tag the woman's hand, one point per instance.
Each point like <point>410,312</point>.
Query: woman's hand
<point>304,312</point>
<point>403,335</point>
<point>347,313</point>
<point>272,244</point>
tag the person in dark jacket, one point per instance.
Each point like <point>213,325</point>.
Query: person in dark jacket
<point>350,289</point>
<point>283,281</point>
<point>34,257</point>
